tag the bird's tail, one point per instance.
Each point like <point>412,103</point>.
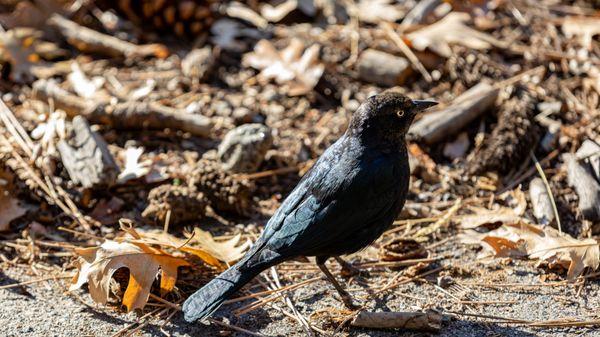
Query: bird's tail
<point>209,298</point>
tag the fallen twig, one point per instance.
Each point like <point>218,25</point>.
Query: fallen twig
<point>126,115</point>
<point>88,40</point>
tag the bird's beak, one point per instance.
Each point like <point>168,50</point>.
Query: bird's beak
<point>422,105</point>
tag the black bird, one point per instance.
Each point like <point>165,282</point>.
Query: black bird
<point>348,198</point>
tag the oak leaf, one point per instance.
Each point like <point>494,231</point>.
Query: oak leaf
<point>202,244</point>
<point>98,264</point>
<point>296,68</point>
<point>452,29</point>
<point>543,244</point>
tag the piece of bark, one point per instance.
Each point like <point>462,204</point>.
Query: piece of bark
<point>418,13</point>
<point>423,321</point>
<point>513,137</point>
<point>438,125</point>
<point>586,186</point>
<point>87,158</point>
<point>541,202</point>
<point>381,68</point>
<point>127,115</point>
<point>91,41</point>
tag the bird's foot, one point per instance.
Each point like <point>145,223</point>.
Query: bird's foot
<point>348,302</point>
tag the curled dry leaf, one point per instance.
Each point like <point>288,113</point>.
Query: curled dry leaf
<point>452,29</point>
<point>544,244</point>
<point>98,264</point>
<point>201,244</point>
<point>299,71</point>
<point>585,28</point>
<point>227,251</point>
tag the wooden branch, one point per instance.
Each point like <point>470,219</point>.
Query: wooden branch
<point>541,202</point>
<point>440,124</point>
<point>423,321</point>
<point>87,158</point>
<point>91,41</point>
<point>127,115</point>
<point>586,186</point>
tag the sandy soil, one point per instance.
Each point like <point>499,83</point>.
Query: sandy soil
<point>45,309</point>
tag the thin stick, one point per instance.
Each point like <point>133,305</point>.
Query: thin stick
<point>124,329</point>
<point>236,328</point>
<point>273,291</point>
<point>406,50</point>
<point>530,172</point>
<point>49,278</point>
<point>548,190</point>
<point>64,229</point>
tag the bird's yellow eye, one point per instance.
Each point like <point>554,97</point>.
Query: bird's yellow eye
<point>400,113</point>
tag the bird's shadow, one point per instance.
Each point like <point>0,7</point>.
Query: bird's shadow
<point>18,290</point>
<point>252,321</point>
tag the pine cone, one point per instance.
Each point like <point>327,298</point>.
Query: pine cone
<point>513,137</point>
<point>226,192</point>
<point>184,18</point>
<point>185,204</point>
<point>470,67</point>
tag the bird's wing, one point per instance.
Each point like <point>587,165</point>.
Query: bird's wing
<point>315,177</point>
<point>340,196</point>
<point>329,222</point>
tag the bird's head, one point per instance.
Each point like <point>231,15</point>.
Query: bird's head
<point>386,117</point>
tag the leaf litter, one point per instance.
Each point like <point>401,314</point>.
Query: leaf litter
<point>293,70</point>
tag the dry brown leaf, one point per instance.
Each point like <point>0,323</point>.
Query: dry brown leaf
<point>296,68</point>
<point>485,216</point>
<point>585,28</point>
<point>227,251</point>
<point>202,244</point>
<point>98,264</point>
<point>543,244</point>
<point>11,209</point>
<point>452,29</point>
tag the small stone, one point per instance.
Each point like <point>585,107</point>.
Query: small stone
<point>381,68</point>
<point>243,149</point>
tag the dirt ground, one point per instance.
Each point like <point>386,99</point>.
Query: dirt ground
<point>202,130</point>
<point>45,309</point>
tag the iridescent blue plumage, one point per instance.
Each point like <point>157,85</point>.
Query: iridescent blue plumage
<point>346,201</point>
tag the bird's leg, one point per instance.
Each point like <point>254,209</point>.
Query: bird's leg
<point>347,268</point>
<point>346,298</point>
